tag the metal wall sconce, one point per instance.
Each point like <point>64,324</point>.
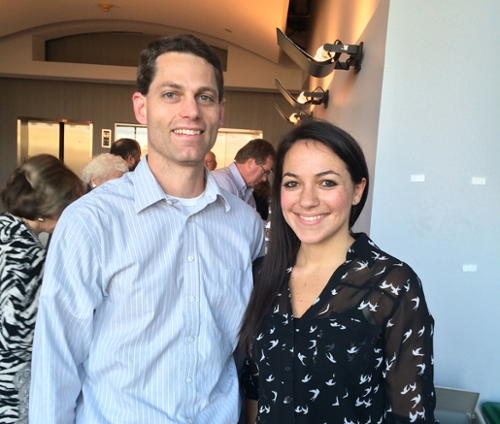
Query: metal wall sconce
<point>316,97</point>
<point>329,59</point>
<point>295,118</point>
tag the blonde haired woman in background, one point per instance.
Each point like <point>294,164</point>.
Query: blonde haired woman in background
<point>102,168</point>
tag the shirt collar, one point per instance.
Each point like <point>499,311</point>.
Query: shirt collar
<point>147,191</point>
<point>363,248</point>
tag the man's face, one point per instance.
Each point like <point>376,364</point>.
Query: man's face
<point>210,161</point>
<point>181,110</point>
<point>257,173</point>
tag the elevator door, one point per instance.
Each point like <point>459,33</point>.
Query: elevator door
<point>69,141</point>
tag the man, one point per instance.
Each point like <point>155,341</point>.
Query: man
<point>210,161</point>
<point>129,149</point>
<point>148,277</point>
<point>253,163</point>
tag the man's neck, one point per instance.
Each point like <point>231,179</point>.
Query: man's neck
<point>179,181</point>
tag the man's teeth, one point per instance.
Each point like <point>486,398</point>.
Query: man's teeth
<point>188,132</point>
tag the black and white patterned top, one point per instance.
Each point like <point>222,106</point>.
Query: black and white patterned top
<point>22,257</point>
<point>362,353</point>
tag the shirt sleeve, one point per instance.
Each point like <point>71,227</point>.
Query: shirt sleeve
<point>70,294</point>
<point>409,357</point>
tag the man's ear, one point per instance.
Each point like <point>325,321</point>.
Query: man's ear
<point>140,102</point>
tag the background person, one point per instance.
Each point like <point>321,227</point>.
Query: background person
<point>210,161</point>
<point>34,196</point>
<point>252,164</point>
<point>338,330</point>
<point>129,150</point>
<point>147,278</point>
<point>102,168</point>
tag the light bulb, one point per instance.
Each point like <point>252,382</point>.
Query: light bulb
<point>302,99</point>
<point>321,54</point>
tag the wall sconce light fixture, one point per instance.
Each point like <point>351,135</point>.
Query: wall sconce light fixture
<point>295,118</point>
<point>316,97</point>
<point>329,56</point>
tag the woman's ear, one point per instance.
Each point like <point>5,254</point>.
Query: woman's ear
<point>358,191</point>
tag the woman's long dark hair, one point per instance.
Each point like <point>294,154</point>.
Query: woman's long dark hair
<point>283,243</point>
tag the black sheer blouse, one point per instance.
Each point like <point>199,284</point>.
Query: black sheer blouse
<point>362,353</point>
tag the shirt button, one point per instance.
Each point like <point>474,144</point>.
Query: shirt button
<point>190,258</point>
<point>191,299</point>
<point>287,368</point>
<point>190,339</point>
<point>190,421</point>
<point>169,202</point>
<point>189,380</point>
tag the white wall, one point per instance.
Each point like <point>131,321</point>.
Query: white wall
<point>440,117</point>
<point>427,102</point>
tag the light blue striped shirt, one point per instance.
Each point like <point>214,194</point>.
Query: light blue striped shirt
<point>230,179</point>
<point>140,307</point>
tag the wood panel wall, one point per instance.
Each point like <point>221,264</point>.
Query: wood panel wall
<point>105,104</point>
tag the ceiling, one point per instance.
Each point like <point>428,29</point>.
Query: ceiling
<point>250,25</point>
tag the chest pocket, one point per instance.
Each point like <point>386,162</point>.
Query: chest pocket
<point>343,346</point>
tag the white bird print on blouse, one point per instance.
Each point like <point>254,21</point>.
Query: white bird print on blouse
<point>381,272</point>
<point>315,393</point>
<point>275,396</point>
<point>352,350</point>
<point>416,352</point>
<point>409,387</point>
<point>394,290</point>
<point>422,368</point>
<point>329,356</point>
<point>407,335</point>
<point>417,302</point>
<point>273,344</point>
<point>301,358</point>
<point>303,410</point>
<point>307,378</point>
<point>362,265</point>
<point>417,400</point>
<point>421,331</point>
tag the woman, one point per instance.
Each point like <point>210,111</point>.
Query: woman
<point>338,331</point>
<point>102,168</point>
<point>34,197</point>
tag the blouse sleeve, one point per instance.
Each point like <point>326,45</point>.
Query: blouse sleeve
<point>409,363</point>
<point>250,380</point>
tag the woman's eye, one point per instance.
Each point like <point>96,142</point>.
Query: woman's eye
<point>290,184</point>
<point>328,183</point>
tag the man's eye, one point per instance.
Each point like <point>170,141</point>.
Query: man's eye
<point>169,95</point>
<point>206,98</point>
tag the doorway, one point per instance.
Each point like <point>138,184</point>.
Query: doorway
<point>70,141</point>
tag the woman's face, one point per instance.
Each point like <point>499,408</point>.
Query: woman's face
<point>317,193</point>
